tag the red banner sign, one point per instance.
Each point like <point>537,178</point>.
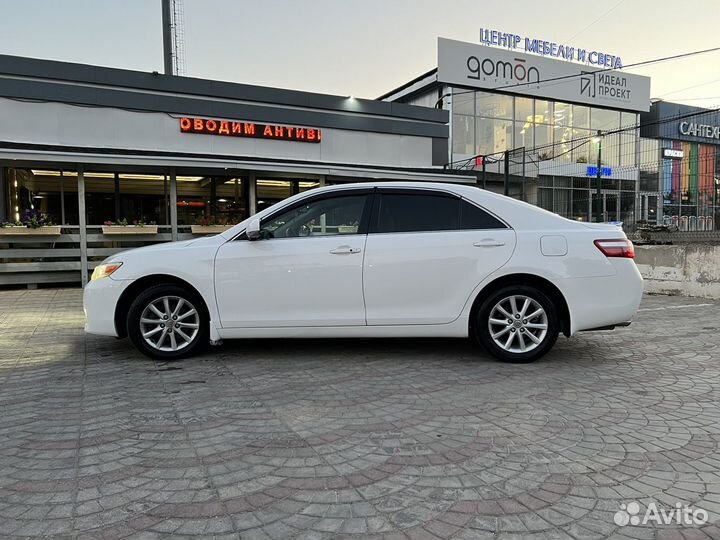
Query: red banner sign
<point>231,128</point>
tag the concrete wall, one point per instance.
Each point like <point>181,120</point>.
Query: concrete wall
<point>688,269</point>
<point>93,127</point>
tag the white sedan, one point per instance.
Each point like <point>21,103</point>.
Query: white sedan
<point>400,259</point>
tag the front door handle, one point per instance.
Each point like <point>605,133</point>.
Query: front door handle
<point>488,242</point>
<point>344,250</point>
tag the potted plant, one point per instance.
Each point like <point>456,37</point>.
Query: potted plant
<point>209,225</point>
<point>34,223</point>
<point>123,227</point>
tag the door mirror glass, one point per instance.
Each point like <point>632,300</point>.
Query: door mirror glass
<point>253,229</point>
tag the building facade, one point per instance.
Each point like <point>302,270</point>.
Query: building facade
<point>117,159</point>
<point>680,166</point>
<point>547,114</point>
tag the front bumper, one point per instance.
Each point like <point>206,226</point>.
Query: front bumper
<point>100,299</point>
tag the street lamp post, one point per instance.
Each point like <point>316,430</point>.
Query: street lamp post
<point>598,186</point>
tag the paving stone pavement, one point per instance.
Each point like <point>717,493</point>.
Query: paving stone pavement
<point>394,439</point>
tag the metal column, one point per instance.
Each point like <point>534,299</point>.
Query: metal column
<point>173,206</point>
<point>252,194</point>
<point>117,196</point>
<point>598,180</point>
<point>4,196</point>
<point>82,221</point>
<point>62,198</point>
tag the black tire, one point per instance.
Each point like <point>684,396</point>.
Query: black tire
<point>520,328</point>
<point>157,293</point>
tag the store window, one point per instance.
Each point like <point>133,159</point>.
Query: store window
<point>493,135</point>
<point>49,193</point>
<point>124,197</point>
<point>582,146</point>
<point>463,133</point>
<point>273,190</point>
<point>524,136</point>
<point>581,116</point>
<point>543,111</point>
<point>211,200</point>
<point>562,116</point>
<point>604,120</point>
<point>493,105</point>
<point>564,143</point>
<point>628,157</point>
<point>524,110</point>
<point>463,102</point>
<point>544,141</point>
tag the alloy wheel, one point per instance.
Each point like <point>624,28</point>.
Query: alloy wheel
<point>518,324</point>
<point>169,323</point>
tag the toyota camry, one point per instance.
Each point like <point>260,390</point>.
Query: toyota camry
<point>390,259</point>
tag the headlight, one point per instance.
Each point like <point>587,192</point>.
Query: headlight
<point>104,270</point>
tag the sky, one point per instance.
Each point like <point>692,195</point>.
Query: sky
<point>364,47</point>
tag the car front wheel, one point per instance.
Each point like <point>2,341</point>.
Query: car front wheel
<point>517,324</point>
<point>167,322</point>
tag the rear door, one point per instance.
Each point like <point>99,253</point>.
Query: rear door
<point>426,252</point>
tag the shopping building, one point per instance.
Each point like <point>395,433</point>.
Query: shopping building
<point>547,114</point>
<point>680,166</point>
<point>119,158</point>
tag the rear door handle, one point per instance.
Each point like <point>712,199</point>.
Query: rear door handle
<point>344,250</point>
<point>488,242</point>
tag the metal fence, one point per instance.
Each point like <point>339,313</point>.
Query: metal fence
<point>30,259</point>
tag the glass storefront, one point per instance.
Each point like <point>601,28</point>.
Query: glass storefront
<point>487,123</point>
<point>134,197</point>
<point>689,186</point>
<point>563,136</point>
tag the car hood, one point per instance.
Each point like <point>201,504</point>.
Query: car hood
<point>165,246</point>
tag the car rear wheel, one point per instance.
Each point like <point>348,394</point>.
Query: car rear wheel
<point>167,322</point>
<point>518,323</point>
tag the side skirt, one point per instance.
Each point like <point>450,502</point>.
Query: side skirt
<point>456,329</point>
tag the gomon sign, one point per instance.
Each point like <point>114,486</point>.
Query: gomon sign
<point>232,128</point>
<point>469,65</point>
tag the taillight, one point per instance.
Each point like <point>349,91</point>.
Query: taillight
<point>617,247</point>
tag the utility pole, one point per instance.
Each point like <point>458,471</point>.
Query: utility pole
<point>173,15</point>
<point>167,36</point>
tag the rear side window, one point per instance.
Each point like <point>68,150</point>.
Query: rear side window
<point>472,217</point>
<point>408,212</point>
<point>404,212</point>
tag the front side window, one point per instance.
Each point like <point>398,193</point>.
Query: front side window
<point>324,217</point>
<point>406,212</point>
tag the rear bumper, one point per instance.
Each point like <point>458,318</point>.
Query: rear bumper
<point>601,302</point>
<point>609,327</point>
<point>100,299</point>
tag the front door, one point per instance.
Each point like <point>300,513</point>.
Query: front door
<point>426,252</point>
<point>305,271</point>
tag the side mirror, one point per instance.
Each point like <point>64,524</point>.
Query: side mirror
<point>253,229</point>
